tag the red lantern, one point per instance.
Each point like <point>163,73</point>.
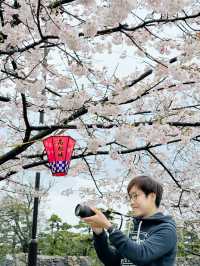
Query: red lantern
<point>59,151</point>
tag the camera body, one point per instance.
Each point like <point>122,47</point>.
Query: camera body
<point>83,211</point>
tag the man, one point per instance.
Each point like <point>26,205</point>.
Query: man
<point>156,238</point>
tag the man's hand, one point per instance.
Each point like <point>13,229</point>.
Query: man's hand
<point>97,230</point>
<point>98,220</point>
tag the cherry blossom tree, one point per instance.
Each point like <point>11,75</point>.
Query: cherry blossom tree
<point>122,77</point>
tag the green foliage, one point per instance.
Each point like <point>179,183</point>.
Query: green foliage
<point>60,238</point>
<point>188,243</point>
<point>15,225</point>
<point>64,240</point>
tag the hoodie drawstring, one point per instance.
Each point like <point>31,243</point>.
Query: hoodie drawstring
<point>138,233</point>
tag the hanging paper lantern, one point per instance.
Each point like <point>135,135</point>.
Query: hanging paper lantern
<point>59,151</point>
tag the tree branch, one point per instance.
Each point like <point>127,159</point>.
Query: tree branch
<point>58,3</point>
<point>28,128</point>
<point>84,155</point>
<point>28,47</point>
<point>101,194</point>
<point>163,165</point>
<point>4,99</point>
<point>144,24</point>
<point>22,147</point>
<point>38,19</point>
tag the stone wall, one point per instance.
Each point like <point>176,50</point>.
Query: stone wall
<point>80,261</point>
<point>66,261</point>
<point>21,260</point>
<point>190,261</point>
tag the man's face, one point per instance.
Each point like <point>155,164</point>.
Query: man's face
<point>141,204</point>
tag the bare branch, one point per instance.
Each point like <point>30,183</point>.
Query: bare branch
<point>163,165</point>
<point>28,128</point>
<point>95,182</point>
<point>23,146</point>
<point>146,23</point>
<point>58,3</point>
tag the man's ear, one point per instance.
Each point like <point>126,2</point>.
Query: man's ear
<point>153,196</point>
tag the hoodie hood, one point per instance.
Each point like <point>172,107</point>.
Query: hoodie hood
<point>155,219</point>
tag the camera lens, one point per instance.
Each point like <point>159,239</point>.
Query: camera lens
<point>83,211</point>
<point>77,210</point>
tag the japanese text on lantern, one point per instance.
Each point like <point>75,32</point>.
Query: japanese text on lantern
<point>60,148</point>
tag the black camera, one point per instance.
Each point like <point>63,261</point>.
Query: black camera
<point>83,211</point>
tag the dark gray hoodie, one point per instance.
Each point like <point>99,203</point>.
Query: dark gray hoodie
<point>152,242</point>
